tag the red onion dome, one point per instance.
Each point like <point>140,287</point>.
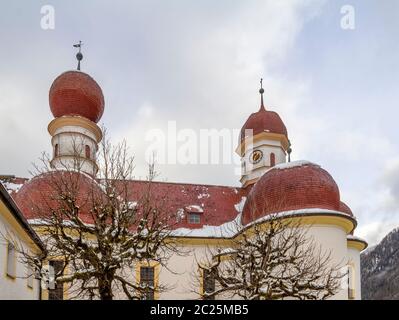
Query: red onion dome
<point>263,121</point>
<point>76,93</point>
<point>291,186</point>
<point>344,208</point>
<point>43,192</point>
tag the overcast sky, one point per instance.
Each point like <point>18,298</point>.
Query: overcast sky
<point>199,62</point>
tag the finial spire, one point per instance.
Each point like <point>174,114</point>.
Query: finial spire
<point>261,91</point>
<point>79,55</point>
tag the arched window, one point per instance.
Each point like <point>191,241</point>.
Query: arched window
<point>56,150</point>
<point>351,282</point>
<point>87,151</point>
<point>272,160</point>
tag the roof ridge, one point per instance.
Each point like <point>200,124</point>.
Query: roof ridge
<point>187,183</point>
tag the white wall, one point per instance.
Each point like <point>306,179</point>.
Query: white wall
<point>267,147</point>
<point>331,238</point>
<point>182,278</point>
<point>72,140</point>
<point>15,289</point>
<point>354,260</point>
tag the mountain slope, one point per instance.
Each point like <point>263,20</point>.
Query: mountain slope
<point>380,269</point>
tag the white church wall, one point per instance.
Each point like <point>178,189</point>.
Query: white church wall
<point>354,261</point>
<point>330,237</point>
<point>14,288</point>
<point>267,147</point>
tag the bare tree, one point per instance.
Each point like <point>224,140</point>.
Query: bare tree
<point>98,229</point>
<point>273,259</point>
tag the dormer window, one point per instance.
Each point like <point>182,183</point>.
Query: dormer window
<point>194,218</point>
<point>194,213</point>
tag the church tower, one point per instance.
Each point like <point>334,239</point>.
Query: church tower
<point>263,143</point>
<point>77,104</point>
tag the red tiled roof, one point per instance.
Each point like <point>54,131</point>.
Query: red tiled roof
<point>217,204</point>
<point>279,189</point>
<point>344,208</point>
<point>76,93</point>
<point>42,193</point>
<point>263,121</point>
<point>291,188</point>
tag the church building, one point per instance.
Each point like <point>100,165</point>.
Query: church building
<point>270,184</point>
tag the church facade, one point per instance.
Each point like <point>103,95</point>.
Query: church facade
<point>270,184</point>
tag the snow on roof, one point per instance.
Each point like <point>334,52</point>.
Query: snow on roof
<point>226,230</point>
<point>10,186</point>
<point>194,208</point>
<point>232,228</point>
<point>226,251</point>
<point>240,206</point>
<point>354,238</point>
<point>298,212</point>
<point>203,195</point>
<point>293,164</point>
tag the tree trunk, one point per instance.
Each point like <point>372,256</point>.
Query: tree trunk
<point>105,289</point>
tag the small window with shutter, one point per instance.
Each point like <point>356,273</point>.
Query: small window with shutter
<point>30,276</point>
<point>11,260</point>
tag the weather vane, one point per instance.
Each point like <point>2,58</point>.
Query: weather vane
<point>79,55</point>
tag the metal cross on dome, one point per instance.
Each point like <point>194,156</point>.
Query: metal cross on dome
<point>79,55</point>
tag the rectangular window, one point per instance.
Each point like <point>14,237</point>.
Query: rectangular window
<point>351,283</point>
<point>208,283</point>
<point>147,282</point>
<point>30,276</point>
<point>58,292</point>
<point>194,218</point>
<point>11,263</point>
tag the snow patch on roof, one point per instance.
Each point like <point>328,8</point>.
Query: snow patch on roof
<point>240,206</point>
<point>231,228</point>
<point>203,195</point>
<point>194,208</point>
<point>354,238</point>
<point>226,230</point>
<point>294,164</point>
<point>10,186</point>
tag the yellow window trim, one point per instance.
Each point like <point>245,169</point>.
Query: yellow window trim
<point>157,270</point>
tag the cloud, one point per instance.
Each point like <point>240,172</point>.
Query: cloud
<point>198,63</point>
<point>215,82</point>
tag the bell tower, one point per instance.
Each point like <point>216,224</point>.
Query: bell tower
<point>263,143</point>
<point>77,104</point>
